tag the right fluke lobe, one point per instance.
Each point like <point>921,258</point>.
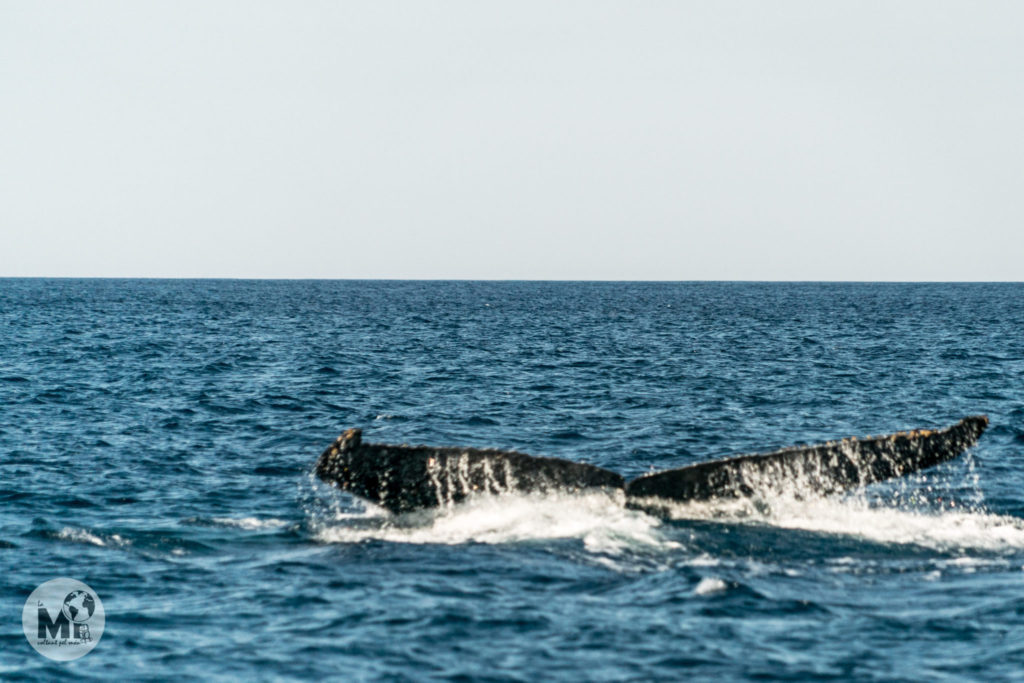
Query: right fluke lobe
<point>820,469</point>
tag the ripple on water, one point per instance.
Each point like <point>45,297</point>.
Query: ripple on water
<point>157,440</point>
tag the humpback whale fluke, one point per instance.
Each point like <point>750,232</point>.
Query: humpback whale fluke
<point>403,478</point>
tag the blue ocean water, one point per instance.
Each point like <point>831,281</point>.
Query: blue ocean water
<point>157,440</point>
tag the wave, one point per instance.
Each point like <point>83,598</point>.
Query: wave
<point>246,523</point>
<point>249,523</point>
<point>76,535</point>
<point>708,585</point>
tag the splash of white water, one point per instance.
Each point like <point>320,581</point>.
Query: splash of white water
<point>947,529</point>
<point>599,519</point>
<point>606,527</point>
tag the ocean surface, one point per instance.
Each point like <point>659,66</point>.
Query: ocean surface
<point>157,440</point>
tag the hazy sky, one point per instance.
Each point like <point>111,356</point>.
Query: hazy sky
<point>553,140</point>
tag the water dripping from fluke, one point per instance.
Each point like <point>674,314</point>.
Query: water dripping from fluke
<point>404,478</point>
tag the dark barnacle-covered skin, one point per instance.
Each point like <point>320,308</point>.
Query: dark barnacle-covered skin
<point>820,469</point>
<point>402,478</point>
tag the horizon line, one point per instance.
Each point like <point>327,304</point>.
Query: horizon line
<point>496,280</point>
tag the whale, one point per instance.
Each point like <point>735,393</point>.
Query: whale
<point>404,478</point>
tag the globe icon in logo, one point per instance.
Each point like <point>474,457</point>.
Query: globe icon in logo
<point>78,606</point>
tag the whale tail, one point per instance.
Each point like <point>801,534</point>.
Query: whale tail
<point>402,478</point>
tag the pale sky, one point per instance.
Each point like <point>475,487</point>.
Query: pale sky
<point>527,140</point>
